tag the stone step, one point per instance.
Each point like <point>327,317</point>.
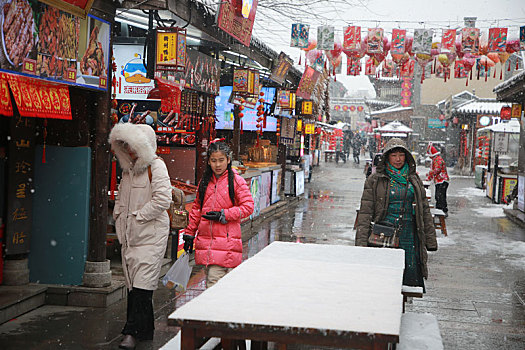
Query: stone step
<point>17,300</point>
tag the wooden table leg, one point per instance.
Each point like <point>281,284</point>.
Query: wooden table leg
<point>443,225</point>
<point>187,341</point>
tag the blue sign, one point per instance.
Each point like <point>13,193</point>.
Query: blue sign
<point>435,123</point>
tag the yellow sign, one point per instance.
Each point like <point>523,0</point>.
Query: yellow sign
<point>299,124</point>
<point>307,107</point>
<point>167,48</point>
<point>309,128</point>
<point>516,110</point>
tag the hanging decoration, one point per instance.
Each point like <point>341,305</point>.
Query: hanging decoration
<point>370,67</point>
<point>171,49</point>
<point>423,59</point>
<point>422,41</point>
<point>522,38</point>
<point>407,69</point>
<point>246,82</point>
<point>352,38</point>
<point>325,37</point>
<point>353,66</point>
<point>6,108</point>
<point>460,71</point>
<point>307,83</point>
<point>375,40</point>
<point>300,34</point>
<point>470,40</point>
<point>388,69</point>
<point>398,41</point>
<point>448,41</point>
<point>497,39</point>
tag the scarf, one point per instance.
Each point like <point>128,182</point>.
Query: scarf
<point>398,175</point>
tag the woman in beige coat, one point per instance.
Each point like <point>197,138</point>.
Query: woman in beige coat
<point>141,222</point>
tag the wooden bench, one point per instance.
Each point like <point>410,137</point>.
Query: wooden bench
<point>410,292</point>
<point>419,331</point>
<point>438,216</point>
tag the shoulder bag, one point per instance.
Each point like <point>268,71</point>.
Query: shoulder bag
<point>385,235</point>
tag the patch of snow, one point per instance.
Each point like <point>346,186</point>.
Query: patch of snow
<point>419,331</point>
<point>471,192</point>
<point>492,212</point>
<point>444,241</point>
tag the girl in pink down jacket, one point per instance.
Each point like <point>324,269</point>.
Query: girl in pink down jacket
<point>223,199</point>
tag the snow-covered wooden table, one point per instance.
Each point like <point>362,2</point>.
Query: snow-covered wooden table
<point>327,295</point>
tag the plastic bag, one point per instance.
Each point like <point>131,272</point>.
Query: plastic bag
<point>179,273</point>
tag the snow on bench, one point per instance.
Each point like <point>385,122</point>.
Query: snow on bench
<point>419,332</point>
<point>409,291</point>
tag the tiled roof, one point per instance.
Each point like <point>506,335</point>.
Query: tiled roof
<point>489,107</point>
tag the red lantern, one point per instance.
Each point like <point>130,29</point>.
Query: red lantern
<point>241,115</point>
<point>261,94</point>
<point>505,113</point>
<point>241,108</point>
<point>455,120</point>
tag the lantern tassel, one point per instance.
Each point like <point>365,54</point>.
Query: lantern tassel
<point>494,76</point>
<point>113,183</point>
<point>300,55</point>
<point>466,84</point>
<point>242,127</point>
<point>486,70</point>
<point>478,68</point>
<point>508,70</point>
<point>501,74</point>
<point>517,64</point>
<point>471,73</point>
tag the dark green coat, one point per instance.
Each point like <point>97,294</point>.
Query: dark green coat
<point>374,205</point>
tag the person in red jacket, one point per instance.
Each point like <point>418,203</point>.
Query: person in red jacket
<point>438,174</point>
<point>223,199</point>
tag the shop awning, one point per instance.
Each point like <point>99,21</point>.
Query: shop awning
<point>34,97</point>
<point>393,134</point>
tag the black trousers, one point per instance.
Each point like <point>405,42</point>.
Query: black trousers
<point>441,196</point>
<point>139,321</point>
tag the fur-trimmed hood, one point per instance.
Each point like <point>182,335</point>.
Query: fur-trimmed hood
<point>392,144</point>
<point>141,138</point>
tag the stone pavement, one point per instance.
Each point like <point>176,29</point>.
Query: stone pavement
<point>476,285</point>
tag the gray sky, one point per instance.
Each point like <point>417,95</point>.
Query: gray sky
<point>274,29</point>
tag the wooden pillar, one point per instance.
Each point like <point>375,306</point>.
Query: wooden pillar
<point>236,147</point>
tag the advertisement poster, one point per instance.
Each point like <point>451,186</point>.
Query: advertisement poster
<point>131,81</point>
<point>470,40</point>
<point>237,25</point>
<point>522,38</point>
<point>398,41</point>
<point>497,39</point>
<point>352,38</point>
<point>448,41</point>
<point>255,185</point>
<point>300,34</point>
<point>276,186</point>
<point>202,73</point>
<point>299,182</point>
<point>521,193</point>
<point>307,83</point>
<point>224,112</point>
<point>422,41</point>
<point>265,190</point>
<point>279,72</point>
<point>325,38</point>
<point>44,42</point>
<point>375,40</point>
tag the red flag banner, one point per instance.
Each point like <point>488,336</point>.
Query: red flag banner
<point>497,39</point>
<point>448,40</point>
<point>6,108</point>
<point>398,41</point>
<point>352,38</point>
<point>38,98</point>
<point>307,83</point>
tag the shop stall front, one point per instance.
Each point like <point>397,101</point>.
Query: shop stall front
<point>498,155</point>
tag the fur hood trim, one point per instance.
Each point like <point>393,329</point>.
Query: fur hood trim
<point>141,139</point>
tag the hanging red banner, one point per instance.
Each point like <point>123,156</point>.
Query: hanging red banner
<point>370,67</point>
<point>497,39</point>
<point>353,66</point>
<point>398,41</point>
<point>407,69</point>
<point>470,40</point>
<point>448,41</point>
<point>40,99</point>
<point>460,71</point>
<point>6,108</point>
<point>307,83</point>
<point>352,38</point>
<point>375,40</point>
<point>237,25</point>
<point>388,69</point>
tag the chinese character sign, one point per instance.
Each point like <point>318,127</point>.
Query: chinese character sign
<point>375,40</point>
<point>352,38</point>
<point>422,41</point>
<point>497,39</point>
<point>325,38</point>
<point>448,40</point>
<point>470,40</point>
<point>284,63</point>
<point>300,34</point>
<point>398,41</point>
<point>235,24</point>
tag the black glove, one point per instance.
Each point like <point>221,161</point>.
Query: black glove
<point>212,215</point>
<point>216,216</point>
<point>188,243</point>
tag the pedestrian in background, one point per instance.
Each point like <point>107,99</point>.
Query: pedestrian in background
<point>356,147</point>
<point>438,174</point>
<point>141,223</point>
<point>383,200</point>
<point>223,199</point>
<point>339,149</point>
